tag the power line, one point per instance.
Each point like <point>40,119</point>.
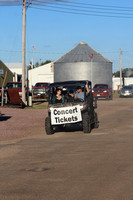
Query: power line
<point>17,2</point>
<point>89,13</point>
<point>68,7</point>
<point>82,5</point>
<point>42,52</point>
<point>95,5</point>
<point>65,3</point>
<point>88,10</point>
<point>10,2</point>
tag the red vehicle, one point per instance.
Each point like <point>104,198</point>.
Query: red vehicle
<point>14,85</point>
<point>102,91</point>
<point>40,90</point>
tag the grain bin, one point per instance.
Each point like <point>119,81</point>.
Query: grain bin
<point>83,63</point>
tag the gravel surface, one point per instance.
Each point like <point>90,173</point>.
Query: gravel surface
<point>17,123</point>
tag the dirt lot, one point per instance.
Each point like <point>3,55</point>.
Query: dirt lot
<point>17,123</point>
<point>67,165</point>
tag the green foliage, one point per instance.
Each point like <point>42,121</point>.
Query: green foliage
<point>37,64</point>
<point>116,74</point>
<point>46,62</point>
<point>127,72</point>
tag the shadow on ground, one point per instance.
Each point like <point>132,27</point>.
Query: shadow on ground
<point>4,118</point>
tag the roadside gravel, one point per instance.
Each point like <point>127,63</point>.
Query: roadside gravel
<point>17,123</point>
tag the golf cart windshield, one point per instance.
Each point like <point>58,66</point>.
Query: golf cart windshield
<point>67,94</point>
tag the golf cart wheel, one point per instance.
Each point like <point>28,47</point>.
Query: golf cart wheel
<point>86,123</point>
<point>48,126</point>
<point>96,123</point>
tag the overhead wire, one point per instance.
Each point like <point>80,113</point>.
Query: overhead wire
<point>82,5</point>
<point>78,8</point>
<point>14,51</point>
<point>95,5</point>
<point>89,13</point>
<point>87,10</point>
<point>83,8</point>
<point>10,2</point>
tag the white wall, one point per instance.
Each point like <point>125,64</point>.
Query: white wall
<point>16,69</point>
<point>116,82</point>
<point>44,73</point>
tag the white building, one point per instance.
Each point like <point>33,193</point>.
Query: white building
<point>16,69</point>
<point>44,73</point>
<point>116,82</point>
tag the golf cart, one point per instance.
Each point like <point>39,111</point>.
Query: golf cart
<point>72,110</point>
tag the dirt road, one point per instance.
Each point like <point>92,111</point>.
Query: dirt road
<point>67,165</point>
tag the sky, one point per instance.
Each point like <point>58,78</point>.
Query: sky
<point>54,28</point>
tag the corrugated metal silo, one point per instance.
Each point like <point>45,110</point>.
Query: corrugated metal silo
<point>83,63</point>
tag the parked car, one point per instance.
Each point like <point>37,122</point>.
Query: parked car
<point>40,90</point>
<point>16,85</point>
<point>71,111</point>
<point>102,91</point>
<point>126,91</point>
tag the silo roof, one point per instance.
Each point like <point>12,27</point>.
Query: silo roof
<point>82,53</point>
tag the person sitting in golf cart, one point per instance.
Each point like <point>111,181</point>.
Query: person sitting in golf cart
<point>58,98</point>
<point>79,94</point>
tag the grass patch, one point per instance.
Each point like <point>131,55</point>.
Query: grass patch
<point>39,106</point>
<point>116,94</point>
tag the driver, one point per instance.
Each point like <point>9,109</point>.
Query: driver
<point>79,94</point>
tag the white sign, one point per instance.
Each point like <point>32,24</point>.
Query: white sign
<point>65,115</point>
<point>1,71</point>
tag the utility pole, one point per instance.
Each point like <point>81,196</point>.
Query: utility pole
<point>23,52</point>
<point>120,71</point>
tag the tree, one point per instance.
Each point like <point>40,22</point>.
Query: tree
<point>37,64</point>
<point>46,62</point>
<point>116,74</point>
<point>29,66</point>
<point>127,72</point>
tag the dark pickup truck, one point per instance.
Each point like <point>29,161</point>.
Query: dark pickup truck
<point>102,91</point>
<point>40,90</point>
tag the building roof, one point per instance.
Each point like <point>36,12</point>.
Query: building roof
<point>3,65</point>
<point>14,65</point>
<point>82,53</point>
